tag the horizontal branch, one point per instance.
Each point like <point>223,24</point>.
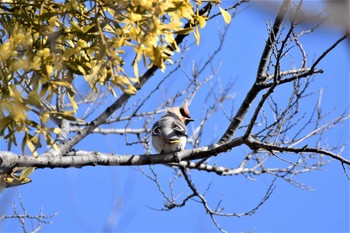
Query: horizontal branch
<point>78,159</point>
<point>219,170</point>
<point>297,73</point>
<point>122,118</point>
<point>113,131</point>
<point>256,145</point>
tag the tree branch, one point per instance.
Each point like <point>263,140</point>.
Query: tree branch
<point>256,88</point>
<point>270,43</point>
<point>68,145</point>
<point>256,145</point>
<point>80,159</point>
<point>113,131</point>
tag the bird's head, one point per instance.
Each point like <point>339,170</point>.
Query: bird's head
<point>182,112</point>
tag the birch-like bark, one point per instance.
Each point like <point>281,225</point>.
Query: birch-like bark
<point>79,159</point>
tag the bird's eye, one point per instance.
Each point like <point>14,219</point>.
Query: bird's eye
<point>188,120</point>
<point>178,127</point>
<point>156,130</point>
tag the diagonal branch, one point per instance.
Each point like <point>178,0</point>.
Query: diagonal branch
<point>276,79</point>
<point>256,88</point>
<point>317,130</point>
<point>218,210</point>
<point>68,145</point>
<point>327,51</point>
<point>272,39</point>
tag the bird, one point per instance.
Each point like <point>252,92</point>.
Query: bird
<point>169,133</point>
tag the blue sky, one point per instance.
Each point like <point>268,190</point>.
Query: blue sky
<point>85,198</point>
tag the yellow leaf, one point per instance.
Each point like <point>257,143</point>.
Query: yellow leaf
<point>131,90</point>
<point>34,140</point>
<point>135,80</point>
<point>174,25</point>
<point>81,69</point>
<point>45,117</point>
<point>55,147</point>
<point>11,182</point>
<point>110,88</point>
<point>26,172</point>
<point>48,69</point>
<point>202,21</point>
<point>157,57</point>
<point>14,92</point>
<point>122,80</point>
<point>136,70</point>
<point>61,83</point>
<point>25,181</point>
<point>184,31</point>
<point>56,130</point>
<point>31,147</point>
<point>225,15</point>
<point>197,36</point>
<point>66,115</point>
<point>76,27</point>
<point>72,100</point>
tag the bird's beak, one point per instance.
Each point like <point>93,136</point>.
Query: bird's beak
<point>188,120</point>
<point>174,141</point>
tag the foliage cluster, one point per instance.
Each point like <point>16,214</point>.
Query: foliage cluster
<point>47,46</point>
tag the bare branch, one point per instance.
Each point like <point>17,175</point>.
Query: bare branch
<point>65,129</point>
<point>326,125</point>
<point>234,6</point>
<point>255,145</point>
<point>218,211</point>
<point>270,43</point>
<point>327,51</point>
<point>255,89</point>
<point>36,221</point>
<point>113,131</point>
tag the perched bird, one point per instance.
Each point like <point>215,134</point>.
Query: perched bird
<point>169,133</point>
